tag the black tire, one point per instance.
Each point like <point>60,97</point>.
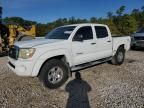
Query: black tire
<point>115,59</point>
<point>46,70</point>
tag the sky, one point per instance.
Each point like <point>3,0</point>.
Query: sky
<point>49,10</point>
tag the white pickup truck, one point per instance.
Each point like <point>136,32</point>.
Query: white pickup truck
<point>66,49</point>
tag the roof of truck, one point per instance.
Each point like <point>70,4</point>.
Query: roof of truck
<point>86,24</point>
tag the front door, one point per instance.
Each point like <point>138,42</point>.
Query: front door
<point>83,45</point>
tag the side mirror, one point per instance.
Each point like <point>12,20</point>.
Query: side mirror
<point>78,37</point>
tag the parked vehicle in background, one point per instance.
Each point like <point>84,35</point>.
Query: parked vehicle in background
<point>0,44</point>
<point>138,39</point>
<point>66,49</point>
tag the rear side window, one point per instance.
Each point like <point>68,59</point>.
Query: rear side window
<point>101,32</point>
<point>86,32</point>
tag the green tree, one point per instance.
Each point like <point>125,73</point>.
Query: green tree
<point>72,20</point>
<point>135,11</point>
<point>110,15</point>
<point>127,25</point>
<point>41,29</point>
<point>142,8</point>
<point>19,21</point>
<point>112,27</point>
<point>93,20</point>
<point>139,17</point>
<point>120,10</point>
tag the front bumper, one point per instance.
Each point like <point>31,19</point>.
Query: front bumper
<point>21,67</point>
<point>138,43</point>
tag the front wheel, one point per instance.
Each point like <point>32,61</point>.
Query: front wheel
<point>119,57</point>
<point>54,73</point>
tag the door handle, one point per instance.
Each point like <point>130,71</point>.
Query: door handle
<point>109,41</point>
<point>93,43</point>
<point>79,53</point>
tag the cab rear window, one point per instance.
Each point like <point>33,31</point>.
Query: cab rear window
<point>101,32</point>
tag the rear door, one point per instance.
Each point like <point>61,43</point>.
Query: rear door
<point>83,51</point>
<point>103,42</point>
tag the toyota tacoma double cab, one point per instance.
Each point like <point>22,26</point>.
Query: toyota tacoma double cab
<point>67,49</point>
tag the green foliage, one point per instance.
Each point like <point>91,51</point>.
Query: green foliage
<point>18,20</point>
<point>118,22</point>
<point>41,29</point>
<point>93,20</point>
<point>142,8</point>
<point>110,15</point>
<point>127,24</point>
<point>120,10</point>
<point>112,27</point>
<point>138,15</point>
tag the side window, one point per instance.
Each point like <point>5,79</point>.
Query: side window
<point>101,32</point>
<point>85,32</point>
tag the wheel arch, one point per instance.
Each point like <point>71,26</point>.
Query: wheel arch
<point>115,60</point>
<point>48,56</point>
<point>120,46</point>
<point>59,57</point>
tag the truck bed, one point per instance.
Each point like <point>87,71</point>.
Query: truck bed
<point>121,40</point>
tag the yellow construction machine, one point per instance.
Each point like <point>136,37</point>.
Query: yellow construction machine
<point>9,33</point>
<point>19,33</point>
<point>14,32</point>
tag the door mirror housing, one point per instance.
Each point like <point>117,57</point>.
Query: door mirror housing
<point>78,38</point>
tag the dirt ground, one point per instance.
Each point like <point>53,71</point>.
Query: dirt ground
<point>102,86</point>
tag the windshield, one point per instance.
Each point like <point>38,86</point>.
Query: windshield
<point>60,33</point>
<point>141,30</point>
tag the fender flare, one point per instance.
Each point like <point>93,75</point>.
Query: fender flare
<point>47,55</point>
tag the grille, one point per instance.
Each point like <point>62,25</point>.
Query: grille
<point>140,42</point>
<point>13,52</point>
<point>139,38</point>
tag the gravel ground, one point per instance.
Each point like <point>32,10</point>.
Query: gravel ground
<point>102,86</point>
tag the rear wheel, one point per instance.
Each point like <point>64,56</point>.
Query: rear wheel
<point>54,73</point>
<point>119,57</point>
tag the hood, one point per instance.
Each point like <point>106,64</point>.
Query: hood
<point>138,35</point>
<point>35,42</point>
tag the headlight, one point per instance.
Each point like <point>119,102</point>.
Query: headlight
<point>26,53</point>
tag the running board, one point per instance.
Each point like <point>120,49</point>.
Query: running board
<point>89,64</point>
